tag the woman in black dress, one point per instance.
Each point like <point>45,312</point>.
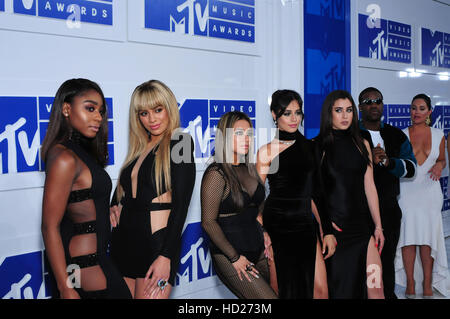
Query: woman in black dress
<point>75,210</point>
<point>290,164</point>
<point>154,190</point>
<point>352,200</point>
<point>231,196</point>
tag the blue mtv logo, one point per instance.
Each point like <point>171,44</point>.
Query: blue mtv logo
<point>199,117</point>
<point>180,16</point>
<point>329,73</point>
<point>19,138</point>
<point>2,5</point>
<point>194,117</point>
<point>210,18</point>
<point>24,277</point>
<point>195,262</point>
<point>98,12</point>
<point>327,8</point>
<point>434,45</point>
<point>23,125</point>
<point>384,40</point>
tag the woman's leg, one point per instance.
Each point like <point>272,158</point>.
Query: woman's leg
<point>131,283</point>
<point>409,256</point>
<point>427,265</point>
<point>320,276</point>
<point>375,288</point>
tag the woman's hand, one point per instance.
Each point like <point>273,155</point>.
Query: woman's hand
<point>69,293</point>
<point>329,243</point>
<point>159,270</point>
<point>379,239</point>
<point>245,267</point>
<point>267,245</point>
<point>436,171</point>
<point>114,214</point>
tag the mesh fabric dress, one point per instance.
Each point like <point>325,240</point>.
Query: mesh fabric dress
<point>234,231</point>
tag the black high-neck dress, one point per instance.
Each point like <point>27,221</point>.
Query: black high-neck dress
<point>288,217</point>
<point>343,169</point>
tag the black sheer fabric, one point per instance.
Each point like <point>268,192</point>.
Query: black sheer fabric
<point>85,232</point>
<point>234,231</point>
<point>137,242</point>
<point>343,170</point>
<point>288,216</point>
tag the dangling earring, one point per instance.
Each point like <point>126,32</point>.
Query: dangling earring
<point>275,122</point>
<point>428,121</point>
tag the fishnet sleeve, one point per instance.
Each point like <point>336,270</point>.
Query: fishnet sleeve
<point>213,186</point>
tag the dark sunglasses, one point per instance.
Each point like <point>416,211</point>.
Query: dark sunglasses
<point>369,101</point>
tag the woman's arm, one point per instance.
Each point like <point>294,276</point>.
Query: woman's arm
<point>372,199</point>
<point>436,170</point>
<point>60,175</point>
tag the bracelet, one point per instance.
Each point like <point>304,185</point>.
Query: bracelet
<point>235,258</point>
<point>379,228</point>
<point>263,229</point>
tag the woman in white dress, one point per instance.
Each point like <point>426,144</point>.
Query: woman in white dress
<point>421,200</point>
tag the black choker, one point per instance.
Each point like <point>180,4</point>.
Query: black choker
<point>286,136</point>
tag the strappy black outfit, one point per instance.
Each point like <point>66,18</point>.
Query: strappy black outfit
<point>134,246</point>
<point>288,216</point>
<point>234,231</point>
<point>87,215</point>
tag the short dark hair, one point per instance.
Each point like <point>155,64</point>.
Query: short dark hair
<point>367,90</point>
<point>281,99</point>
<point>424,97</point>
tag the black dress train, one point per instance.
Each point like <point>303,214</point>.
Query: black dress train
<point>86,224</point>
<point>289,220</point>
<point>343,169</point>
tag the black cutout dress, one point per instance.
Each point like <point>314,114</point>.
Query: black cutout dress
<point>87,215</point>
<point>134,247</point>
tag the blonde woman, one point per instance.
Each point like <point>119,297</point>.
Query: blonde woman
<point>153,193</point>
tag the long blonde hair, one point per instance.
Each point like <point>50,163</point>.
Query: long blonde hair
<point>147,96</point>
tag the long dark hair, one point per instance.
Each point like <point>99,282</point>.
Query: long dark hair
<point>59,130</point>
<point>325,137</point>
<point>221,153</point>
<point>281,100</point>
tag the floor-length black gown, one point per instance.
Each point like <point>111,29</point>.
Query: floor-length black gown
<point>289,220</point>
<point>343,169</point>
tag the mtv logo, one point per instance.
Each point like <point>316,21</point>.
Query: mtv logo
<point>373,42</point>
<point>432,48</point>
<point>180,16</point>
<point>24,277</point>
<point>327,8</point>
<point>194,117</point>
<point>195,262</point>
<point>329,73</point>
<point>25,7</point>
<point>19,135</point>
<point>2,5</point>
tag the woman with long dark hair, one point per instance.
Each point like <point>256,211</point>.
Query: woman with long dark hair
<point>421,202</point>
<point>289,162</point>
<point>231,197</point>
<point>75,208</point>
<point>352,201</point>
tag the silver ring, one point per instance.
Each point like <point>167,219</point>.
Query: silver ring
<point>249,267</point>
